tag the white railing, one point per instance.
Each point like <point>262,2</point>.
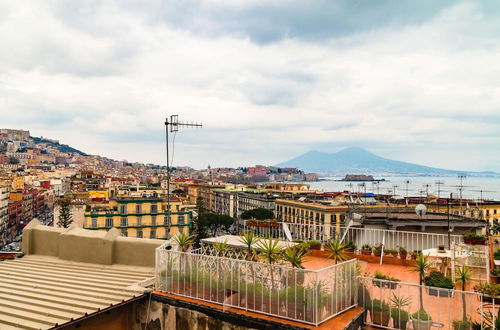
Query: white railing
<point>308,296</point>
<point>447,309</point>
<point>393,239</point>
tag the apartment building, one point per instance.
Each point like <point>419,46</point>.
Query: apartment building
<point>4,209</point>
<point>139,217</point>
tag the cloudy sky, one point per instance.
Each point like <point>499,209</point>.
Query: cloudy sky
<point>412,81</point>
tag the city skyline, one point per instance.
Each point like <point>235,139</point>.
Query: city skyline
<point>268,83</point>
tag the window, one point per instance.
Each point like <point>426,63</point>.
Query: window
<point>94,222</point>
<point>124,233</point>
<point>166,220</point>
<point>139,233</point>
<point>123,222</point>
<point>109,222</point>
<point>152,234</point>
<point>138,208</point>
<point>180,220</point>
<point>153,220</point>
<point>123,209</point>
<point>154,208</point>
<point>139,221</point>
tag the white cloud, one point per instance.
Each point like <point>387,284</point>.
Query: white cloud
<point>102,78</point>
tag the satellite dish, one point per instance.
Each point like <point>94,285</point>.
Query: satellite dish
<point>420,210</point>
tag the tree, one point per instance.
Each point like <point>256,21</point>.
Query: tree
<point>65,217</point>
<point>198,230</point>
<point>421,266</point>
<point>214,223</point>
<point>463,276</point>
<point>337,250</point>
<point>184,241</point>
<point>258,214</point>
<point>249,239</point>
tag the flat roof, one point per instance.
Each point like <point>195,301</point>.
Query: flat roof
<point>40,292</point>
<point>235,242</point>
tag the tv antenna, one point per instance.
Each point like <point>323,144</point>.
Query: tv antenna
<point>481,192</point>
<point>427,186</point>
<point>172,125</point>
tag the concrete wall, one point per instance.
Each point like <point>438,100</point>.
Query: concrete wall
<point>80,245</point>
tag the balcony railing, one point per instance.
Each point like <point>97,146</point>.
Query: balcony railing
<point>392,239</point>
<point>308,296</point>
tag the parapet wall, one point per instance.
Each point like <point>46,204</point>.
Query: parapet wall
<point>81,245</point>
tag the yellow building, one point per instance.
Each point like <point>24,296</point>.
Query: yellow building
<point>485,210</point>
<point>18,182</point>
<point>139,217</point>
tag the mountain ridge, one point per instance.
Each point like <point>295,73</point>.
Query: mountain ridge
<point>360,161</point>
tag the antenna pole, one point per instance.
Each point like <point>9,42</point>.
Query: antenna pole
<point>449,229</point>
<point>172,124</point>
<point>439,183</point>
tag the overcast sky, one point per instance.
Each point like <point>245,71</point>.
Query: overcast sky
<point>415,81</point>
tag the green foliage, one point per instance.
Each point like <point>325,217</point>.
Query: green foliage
<point>336,249</point>
<point>489,289</point>
<point>474,236</point>
<point>366,247</point>
<point>258,214</point>
<point>399,314</point>
<point>421,315</point>
<point>421,266</point>
<point>270,250</point>
<point>439,280</point>
<point>184,241</point>
<point>220,248</point>
<point>398,301</point>
<point>214,222</point>
<point>462,325</point>
<point>313,243</point>
<point>65,217</point>
<point>463,275</point>
<point>495,227</point>
<point>249,239</point>
<point>378,249</point>
<point>380,276</point>
<point>495,272</point>
<point>402,250</point>
<point>496,255</point>
<point>295,256</point>
<point>351,245</point>
<point>390,251</point>
<point>377,305</point>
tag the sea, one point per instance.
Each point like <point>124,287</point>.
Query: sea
<point>487,188</point>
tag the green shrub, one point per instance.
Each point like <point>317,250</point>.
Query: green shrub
<point>377,305</point>
<point>351,245</point>
<point>488,289</point>
<point>496,255</point>
<point>402,250</point>
<point>390,251</point>
<point>439,280</point>
<point>399,314</point>
<point>421,315</point>
<point>462,325</point>
<point>474,236</point>
<point>366,247</point>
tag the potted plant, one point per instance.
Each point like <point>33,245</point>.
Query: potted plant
<point>441,248</point>
<point>382,280</point>
<point>315,245</point>
<point>402,253</point>
<point>379,312</point>
<point>474,239</point>
<point>436,280</point>
<point>350,247</point>
<point>414,255</point>
<point>496,255</point>
<point>491,292</point>
<point>377,251</point>
<point>421,320</point>
<point>336,250</point>
<point>495,275</point>
<point>295,256</point>
<point>391,252</point>
<point>462,325</point>
<point>366,250</point>
<point>399,316</point>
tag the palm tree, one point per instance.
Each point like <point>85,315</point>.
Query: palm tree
<point>221,248</point>
<point>295,256</point>
<point>184,241</point>
<point>271,251</point>
<point>336,249</point>
<point>421,266</point>
<point>463,276</point>
<point>249,239</point>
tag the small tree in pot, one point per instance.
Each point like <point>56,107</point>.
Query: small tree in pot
<point>400,316</point>
<point>379,312</point>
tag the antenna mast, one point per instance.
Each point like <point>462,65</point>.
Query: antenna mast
<point>173,124</point>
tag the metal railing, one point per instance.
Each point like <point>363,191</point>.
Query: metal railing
<point>308,296</point>
<point>396,305</point>
<point>392,239</point>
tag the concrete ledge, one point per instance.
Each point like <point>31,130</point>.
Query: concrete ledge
<point>81,245</point>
